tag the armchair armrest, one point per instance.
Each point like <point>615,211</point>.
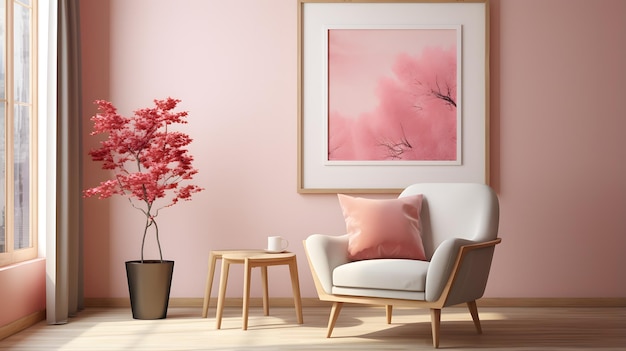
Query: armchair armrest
<point>441,265</point>
<point>324,253</point>
<point>459,259</point>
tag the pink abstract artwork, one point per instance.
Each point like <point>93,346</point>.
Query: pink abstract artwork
<point>392,95</point>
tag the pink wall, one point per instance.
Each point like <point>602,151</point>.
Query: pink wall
<point>557,139</point>
<point>559,151</point>
<point>22,290</point>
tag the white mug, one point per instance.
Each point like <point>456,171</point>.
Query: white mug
<point>276,243</point>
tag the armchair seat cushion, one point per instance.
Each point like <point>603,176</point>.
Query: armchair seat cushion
<point>386,274</point>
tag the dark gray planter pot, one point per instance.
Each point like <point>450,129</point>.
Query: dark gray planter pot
<point>149,285</point>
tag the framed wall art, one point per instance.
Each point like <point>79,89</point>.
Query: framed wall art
<point>391,93</point>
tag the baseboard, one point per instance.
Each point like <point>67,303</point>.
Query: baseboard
<point>315,302</point>
<point>21,324</point>
<point>553,302</point>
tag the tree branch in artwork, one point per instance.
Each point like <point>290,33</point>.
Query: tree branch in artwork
<point>395,149</point>
<point>445,96</point>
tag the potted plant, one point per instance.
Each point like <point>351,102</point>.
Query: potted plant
<point>150,166</point>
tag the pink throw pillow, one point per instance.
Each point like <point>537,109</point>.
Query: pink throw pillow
<point>383,228</point>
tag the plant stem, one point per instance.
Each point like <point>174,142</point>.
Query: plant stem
<point>145,231</point>
<point>156,228</point>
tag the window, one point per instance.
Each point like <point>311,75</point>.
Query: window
<point>18,111</point>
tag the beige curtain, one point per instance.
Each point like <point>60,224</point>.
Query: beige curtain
<point>64,289</point>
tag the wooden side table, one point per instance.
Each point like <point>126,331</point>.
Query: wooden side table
<point>215,255</point>
<point>251,259</point>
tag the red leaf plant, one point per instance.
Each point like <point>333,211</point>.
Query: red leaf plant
<point>149,161</point>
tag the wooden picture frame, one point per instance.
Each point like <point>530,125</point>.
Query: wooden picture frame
<point>319,21</point>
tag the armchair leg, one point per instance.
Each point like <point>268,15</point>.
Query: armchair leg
<point>435,321</point>
<point>388,312</point>
<point>334,313</point>
<point>474,312</point>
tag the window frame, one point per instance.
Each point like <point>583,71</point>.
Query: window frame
<point>12,255</point>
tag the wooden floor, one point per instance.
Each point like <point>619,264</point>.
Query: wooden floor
<point>358,328</point>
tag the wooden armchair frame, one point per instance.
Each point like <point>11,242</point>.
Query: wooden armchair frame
<point>435,306</point>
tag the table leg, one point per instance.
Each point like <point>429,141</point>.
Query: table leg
<point>266,304</point>
<point>222,293</point>
<point>209,284</point>
<point>246,293</point>
<point>295,286</point>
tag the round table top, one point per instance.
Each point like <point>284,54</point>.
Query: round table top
<point>237,251</point>
<point>256,255</point>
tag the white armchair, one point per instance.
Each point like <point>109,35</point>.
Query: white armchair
<point>459,227</point>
